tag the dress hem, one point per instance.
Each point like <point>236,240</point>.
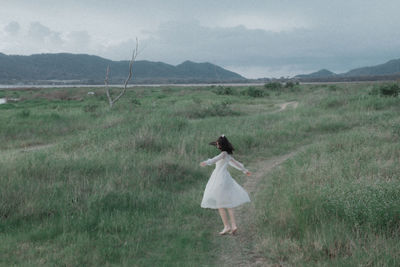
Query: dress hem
<point>225,207</point>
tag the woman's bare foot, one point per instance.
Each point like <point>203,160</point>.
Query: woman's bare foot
<point>225,231</point>
<point>233,231</point>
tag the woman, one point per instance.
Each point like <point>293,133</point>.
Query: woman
<point>221,190</point>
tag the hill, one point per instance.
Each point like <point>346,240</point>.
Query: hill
<point>387,71</point>
<point>319,74</point>
<point>389,68</point>
<point>82,68</point>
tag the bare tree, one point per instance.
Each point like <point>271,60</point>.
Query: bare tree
<point>112,101</point>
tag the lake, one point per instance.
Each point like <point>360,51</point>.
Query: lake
<point>5,86</point>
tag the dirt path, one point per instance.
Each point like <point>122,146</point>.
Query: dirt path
<point>28,148</point>
<point>37,147</point>
<point>284,106</point>
<point>239,250</point>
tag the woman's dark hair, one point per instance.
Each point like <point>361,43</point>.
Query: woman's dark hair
<point>224,144</point>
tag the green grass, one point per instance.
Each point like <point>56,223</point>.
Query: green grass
<point>336,202</point>
<point>123,186</point>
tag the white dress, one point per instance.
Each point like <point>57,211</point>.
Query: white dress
<point>221,190</point>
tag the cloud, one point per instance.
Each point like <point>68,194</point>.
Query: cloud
<point>251,52</point>
<point>78,41</point>
<point>267,23</point>
<point>237,47</point>
<point>12,28</point>
<point>40,34</point>
<point>277,53</point>
<point>256,38</point>
<point>38,38</point>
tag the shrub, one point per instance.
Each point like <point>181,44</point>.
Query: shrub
<point>374,91</point>
<point>332,87</point>
<point>135,101</point>
<point>7,106</point>
<point>289,84</point>
<point>161,96</point>
<point>55,116</point>
<point>90,107</point>
<point>24,113</point>
<point>273,86</point>
<point>222,90</point>
<point>196,100</point>
<point>390,90</point>
<point>385,90</point>
<point>220,109</point>
<point>214,110</point>
<point>333,102</point>
<point>253,92</point>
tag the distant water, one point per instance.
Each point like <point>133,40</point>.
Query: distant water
<point>5,86</point>
<point>38,86</point>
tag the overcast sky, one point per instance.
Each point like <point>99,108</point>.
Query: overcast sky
<point>259,38</point>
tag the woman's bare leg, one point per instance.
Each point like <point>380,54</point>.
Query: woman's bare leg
<point>222,213</point>
<point>233,222</point>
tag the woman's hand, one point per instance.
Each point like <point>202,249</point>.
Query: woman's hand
<point>202,164</point>
<point>248,173</point>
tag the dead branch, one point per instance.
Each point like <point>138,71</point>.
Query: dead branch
<point>112,101</point>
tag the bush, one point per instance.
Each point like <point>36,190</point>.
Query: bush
<point>390,90</point>
<point>24,113</point>
<point>220,109</point>
<point>196,100</point>
<point>7,106</point>
<point>253,92</point>
<point>222,90</point>
<point>273,86</point>
<point>333,102</point>
<point>214,110</point>
<point>374,91</point>
<point>332,87</point>
<point>90,107</point>
<point>55,116</point>
<point>289,84</point>
<point>135,101</point>
<point>386,90</point>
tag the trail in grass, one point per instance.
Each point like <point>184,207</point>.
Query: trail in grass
<point>239,250</point>
<point>284,106</point>
<point>36,147</point>
<point>28,148</point>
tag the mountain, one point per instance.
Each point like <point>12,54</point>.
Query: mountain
<point>319,74</point>
<point>387,71</point>
<point>389,68</point>
<point>83,68</point>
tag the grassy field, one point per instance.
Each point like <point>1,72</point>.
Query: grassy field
<point>83,185</point>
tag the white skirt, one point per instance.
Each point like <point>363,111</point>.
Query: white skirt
<point>222,191</point>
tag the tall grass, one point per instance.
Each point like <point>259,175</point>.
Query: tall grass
<point>335,202</point>
<point>123,186</point>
